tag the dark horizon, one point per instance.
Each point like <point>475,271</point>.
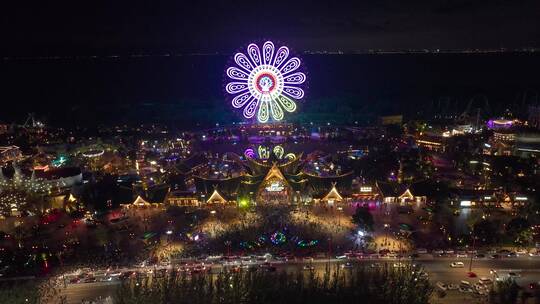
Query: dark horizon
<point>160,89</point>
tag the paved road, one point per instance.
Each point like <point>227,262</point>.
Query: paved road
<point>438,269</point>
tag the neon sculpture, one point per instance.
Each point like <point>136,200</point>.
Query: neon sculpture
<point>265,84</point>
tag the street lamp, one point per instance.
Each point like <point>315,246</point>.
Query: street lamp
<point>340,209</point>
<point>228,244</point>
<point>386,226</point>
<point>472,251</point>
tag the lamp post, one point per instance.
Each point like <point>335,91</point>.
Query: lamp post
<point>228,244</point>
<point>340,209</point>
<point>386,226</point>
<point>329,249</point>
<point>472,251</point>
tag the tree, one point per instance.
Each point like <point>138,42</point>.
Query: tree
<point>363,218</point>
<point>517,225</point>
<point>524,238</point>
<point>359,285</point>
<point>507,292</point>
<point>486,231</point>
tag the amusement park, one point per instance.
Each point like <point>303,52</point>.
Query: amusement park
<point>345,156</point>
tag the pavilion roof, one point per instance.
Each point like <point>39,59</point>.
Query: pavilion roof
<point>333,194</point>
<point>216,197</point>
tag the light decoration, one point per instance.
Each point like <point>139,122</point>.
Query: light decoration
<point>265,84</point>
<point>304,244</point>
<point>12,202</point>
<point>278,238</point>
<point>279,151</point>
<point>249,153</point>
<point>365,189</point>
<point>263,152</point>
<point>96,153</point>
<point>243,203</point>
<point>61,160</point>
<point>276,186</point>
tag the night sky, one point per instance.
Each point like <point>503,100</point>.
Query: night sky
<point>47,62</point>
<point>86,27</point>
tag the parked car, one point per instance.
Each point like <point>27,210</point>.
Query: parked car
<point>465,289</point>
<point>485,281</point>
<point>308,268</point>
<point>441,286</point>
<point>90,280</point>
<point>514,275</point>
<point>453,286</point>
<point>521,252</point>
<point>465,284</point>
<point>75,280</point>
<point>438,252</point>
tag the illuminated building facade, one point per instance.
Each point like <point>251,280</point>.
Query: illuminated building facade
<point>9,153</point>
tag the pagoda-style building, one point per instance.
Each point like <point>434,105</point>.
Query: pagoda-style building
<point>333,196</point>
<point>274,181</point>
<point>274,188</point>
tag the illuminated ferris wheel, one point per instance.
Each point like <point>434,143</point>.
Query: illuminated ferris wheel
<point>265,83</point>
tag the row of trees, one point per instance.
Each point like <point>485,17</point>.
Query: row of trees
<point>386,285</point>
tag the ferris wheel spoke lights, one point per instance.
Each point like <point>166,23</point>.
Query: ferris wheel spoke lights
<point>240,100</point>
<point>263,114</point>
<point>265,81</point>
<point>277,112</point>
<point>287,103</point>
<point>249,110</point>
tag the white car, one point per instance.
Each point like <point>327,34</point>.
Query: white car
<point>453,286</point>
<point>421,251</point>
<point>461,255</point>
<point>465,289</point>
<point>521,252</point>
<point>457,265</point>
<point>485,281</point>
<point>465,284</point>
<point>482,292</point>
<point>441,285</point>
<point>514,275</point>
<point>479,286</point>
